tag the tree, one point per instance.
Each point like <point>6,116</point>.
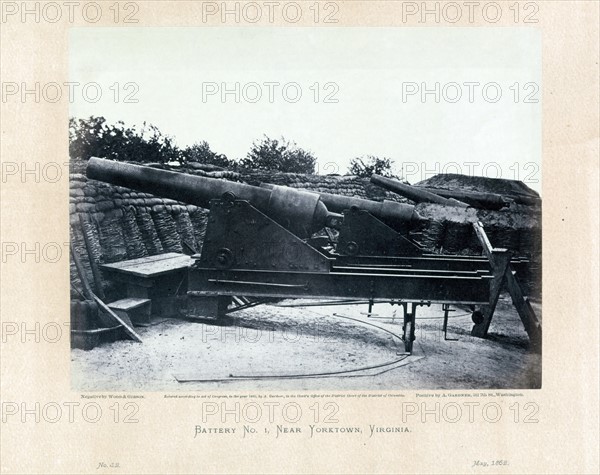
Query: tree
<point>201,153</point>
<point>366,166</point>
<point>279,155</point>
<point>93,137</point>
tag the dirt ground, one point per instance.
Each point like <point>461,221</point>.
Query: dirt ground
<point>277,347</point>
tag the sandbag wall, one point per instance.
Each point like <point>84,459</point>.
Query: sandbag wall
<point>121,224</point>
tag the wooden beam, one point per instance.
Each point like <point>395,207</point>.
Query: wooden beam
<point>525,310</point>
<point>483,240</point>
<point>504,273</point>
<point>501,259</point>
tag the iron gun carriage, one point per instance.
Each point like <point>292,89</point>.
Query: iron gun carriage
<point>258,245</point>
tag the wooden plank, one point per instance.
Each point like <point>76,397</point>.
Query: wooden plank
<point>171,261</point>
<point>128,329</point>
<point>142,260</point>
<point>132,266</point>
<point>154,268</point>
<point>128,303</point>
<point>483,240</point>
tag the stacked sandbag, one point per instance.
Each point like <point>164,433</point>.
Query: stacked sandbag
<point>112,239</point>
<point>122,224</point>
<point>148,231</point>
<point>134,240</point>
<point>166,229</point>
<point>125,224</point>
<point>199,220</point>
<point>184,226</point>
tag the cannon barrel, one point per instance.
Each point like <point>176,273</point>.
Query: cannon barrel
<point>413,193</point>
<point>386,210</point>
<point>303,213</point>
<point>393,213</point>
<point>476,199</point>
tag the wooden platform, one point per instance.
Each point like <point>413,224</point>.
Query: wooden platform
<point>159,278</point>
<point>136,310</point>
<point>151,266</point>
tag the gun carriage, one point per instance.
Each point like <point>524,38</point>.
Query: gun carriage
<point>259,244</point>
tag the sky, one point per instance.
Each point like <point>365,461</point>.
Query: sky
<point>337,92</point>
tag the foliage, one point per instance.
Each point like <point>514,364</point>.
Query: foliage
<point>201,153</point>
<point>279,155</point>
<point>366,166</point>
<point>93,137</point>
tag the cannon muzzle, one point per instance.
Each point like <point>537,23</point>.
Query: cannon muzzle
<point>301,212</point>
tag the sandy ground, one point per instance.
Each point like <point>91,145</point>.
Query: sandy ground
<point>274,340</point>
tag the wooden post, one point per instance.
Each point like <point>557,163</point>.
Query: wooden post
<point>503,272</point>
<point>87,290</point>
<point>501,260</point>
<point>525,310</point>
<point>483,240</point>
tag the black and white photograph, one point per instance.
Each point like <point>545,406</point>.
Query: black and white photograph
<point>299,237</point>
<point>305,209</point>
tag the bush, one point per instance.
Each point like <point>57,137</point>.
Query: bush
<point>364,167</point>
<point>93,137</point>
<point>201,153</point>
<point>279,155</point>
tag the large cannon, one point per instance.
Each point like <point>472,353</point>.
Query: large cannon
<point>258,246</point>
<point>301,212</point>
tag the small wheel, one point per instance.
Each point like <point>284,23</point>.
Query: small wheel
<point>477,317</point>
<point>228,196</point>
<point>408,341</point>
<point>224,258</point>
<point>352,248</point>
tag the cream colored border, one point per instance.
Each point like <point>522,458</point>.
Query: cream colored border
<point>565,440</point>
